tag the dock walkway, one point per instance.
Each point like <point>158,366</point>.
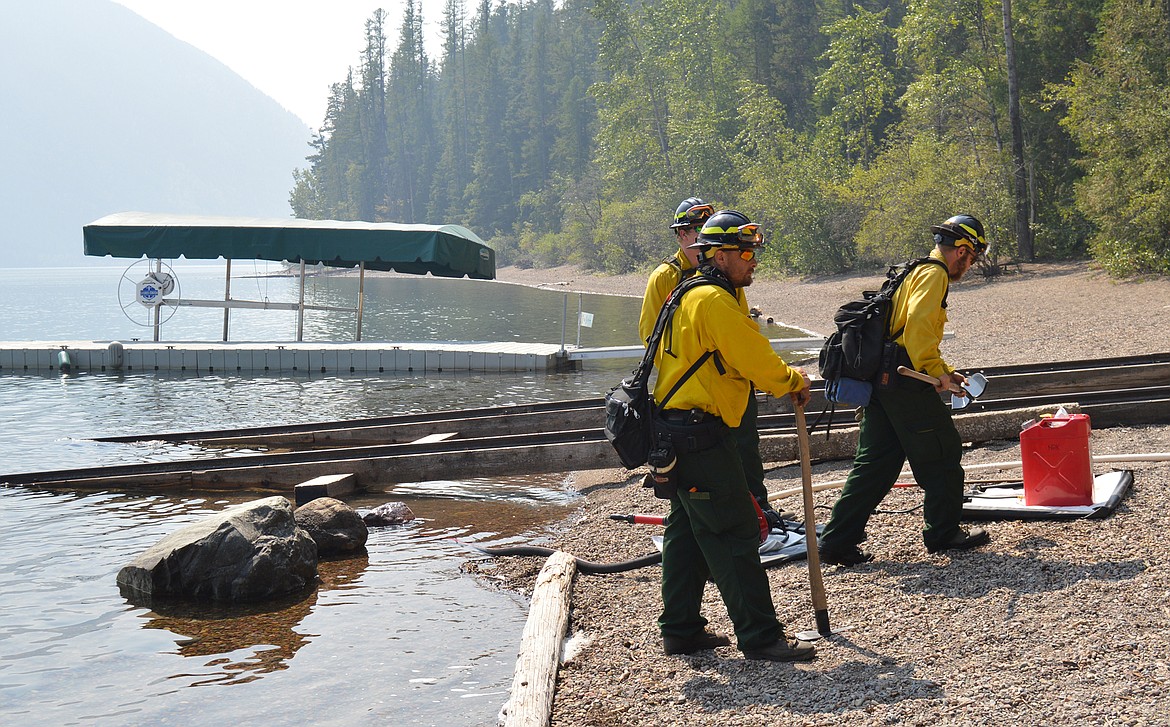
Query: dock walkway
<point>276,357</point>
<point>320,358</point>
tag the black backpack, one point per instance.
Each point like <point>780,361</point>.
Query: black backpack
<point>852,358</point>
<point>629,407</point>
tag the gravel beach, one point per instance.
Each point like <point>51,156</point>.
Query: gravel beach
<point>1053,623</point>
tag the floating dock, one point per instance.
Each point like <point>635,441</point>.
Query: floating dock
<point>289,357</point>
<point>281,358</point>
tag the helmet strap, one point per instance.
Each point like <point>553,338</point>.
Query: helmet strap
<point>709,268</point>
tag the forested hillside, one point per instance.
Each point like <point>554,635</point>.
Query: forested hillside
<point>568,131</point>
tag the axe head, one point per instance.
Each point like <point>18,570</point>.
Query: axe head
<point>973,388</point>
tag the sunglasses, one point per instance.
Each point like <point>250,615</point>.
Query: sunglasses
<point>746,254</point>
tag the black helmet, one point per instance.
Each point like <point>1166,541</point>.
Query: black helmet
<point>728,228</point>
<point>691,211</point>
<point>961,230</point>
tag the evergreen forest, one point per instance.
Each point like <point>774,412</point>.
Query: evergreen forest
<point>568,131</point>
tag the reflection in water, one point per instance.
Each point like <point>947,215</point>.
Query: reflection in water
<point>206,629</point>
<point>250,639</point>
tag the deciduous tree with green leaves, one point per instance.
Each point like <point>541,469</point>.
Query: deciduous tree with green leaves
<point>856,85</point>
<point>1118,115</point>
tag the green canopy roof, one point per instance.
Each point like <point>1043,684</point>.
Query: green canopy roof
<point>449,251</point>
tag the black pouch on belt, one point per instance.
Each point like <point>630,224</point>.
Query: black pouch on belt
<point>663,477</point>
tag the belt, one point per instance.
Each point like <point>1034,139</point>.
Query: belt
<point>689,431</point>
<point>687,416</point>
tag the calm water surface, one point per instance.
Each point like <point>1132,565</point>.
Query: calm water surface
<point>399,636</point>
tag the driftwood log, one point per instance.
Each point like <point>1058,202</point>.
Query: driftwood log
<point>534,683</point>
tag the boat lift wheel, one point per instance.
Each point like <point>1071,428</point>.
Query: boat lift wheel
<point>149,292</point>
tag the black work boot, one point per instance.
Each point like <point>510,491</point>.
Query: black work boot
<point>963,539</point>
<point>783,650</point>
<point>849,556</point>
<point>674,645</point>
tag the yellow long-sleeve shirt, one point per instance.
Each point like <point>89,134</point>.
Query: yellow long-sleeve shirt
<point>664,279</point>
<point>918,310</point>
<point>711,319</point>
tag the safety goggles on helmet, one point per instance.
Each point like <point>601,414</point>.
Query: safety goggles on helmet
<point>748,235</point>
<point>977,249</point>
<point>693,216</point>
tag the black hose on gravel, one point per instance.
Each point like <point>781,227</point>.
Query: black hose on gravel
<point>584,566</point>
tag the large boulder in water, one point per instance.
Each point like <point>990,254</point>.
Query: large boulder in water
<point>248,552</point>
<point>333,525</point>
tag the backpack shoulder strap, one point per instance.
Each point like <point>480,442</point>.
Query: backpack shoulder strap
<point>919,261</point>
<point>665,315</point>
<point>682,379</point>
<point>897,274</point>
<point>684,274</point>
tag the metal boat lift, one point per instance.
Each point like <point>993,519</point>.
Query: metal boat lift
<point>449,251</point>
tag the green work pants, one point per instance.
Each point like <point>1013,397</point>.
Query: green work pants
<point>713,532</point>
<point>747,441</point>
<point>902,424</point>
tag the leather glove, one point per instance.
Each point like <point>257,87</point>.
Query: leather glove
<point>771,516</point>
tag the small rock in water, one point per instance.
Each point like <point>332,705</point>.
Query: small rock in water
<point>390,513</point>
<point>333,525</point>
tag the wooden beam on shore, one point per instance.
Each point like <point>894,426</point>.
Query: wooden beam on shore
<point>534,683</point>
<point>523,423</point>
<point>381,467</point>
<point>335,486</point>
<point>973,428</point>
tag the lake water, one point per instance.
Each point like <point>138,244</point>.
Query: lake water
<point>400,636</point>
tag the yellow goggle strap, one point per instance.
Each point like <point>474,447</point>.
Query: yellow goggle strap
<point>749,233</point>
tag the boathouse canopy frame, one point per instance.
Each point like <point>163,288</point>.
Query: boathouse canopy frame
<point>448,251</point>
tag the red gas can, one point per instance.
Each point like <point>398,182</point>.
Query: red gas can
<point>1057,463</point>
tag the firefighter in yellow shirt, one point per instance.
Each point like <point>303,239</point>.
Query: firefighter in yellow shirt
<point>692,212</point>
<point>712,531</point>
<point>908,420</point>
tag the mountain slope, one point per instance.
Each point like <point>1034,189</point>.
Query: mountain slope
<point>105,112</point>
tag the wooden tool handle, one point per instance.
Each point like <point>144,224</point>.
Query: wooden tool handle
<point>929,379</point>
<point>918,375</point>
<point>815,580</point>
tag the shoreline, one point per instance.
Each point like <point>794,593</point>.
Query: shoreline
<point>1054,622</point>
<point>1046,312</point>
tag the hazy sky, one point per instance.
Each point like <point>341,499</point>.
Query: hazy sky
<point>292,50</point>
